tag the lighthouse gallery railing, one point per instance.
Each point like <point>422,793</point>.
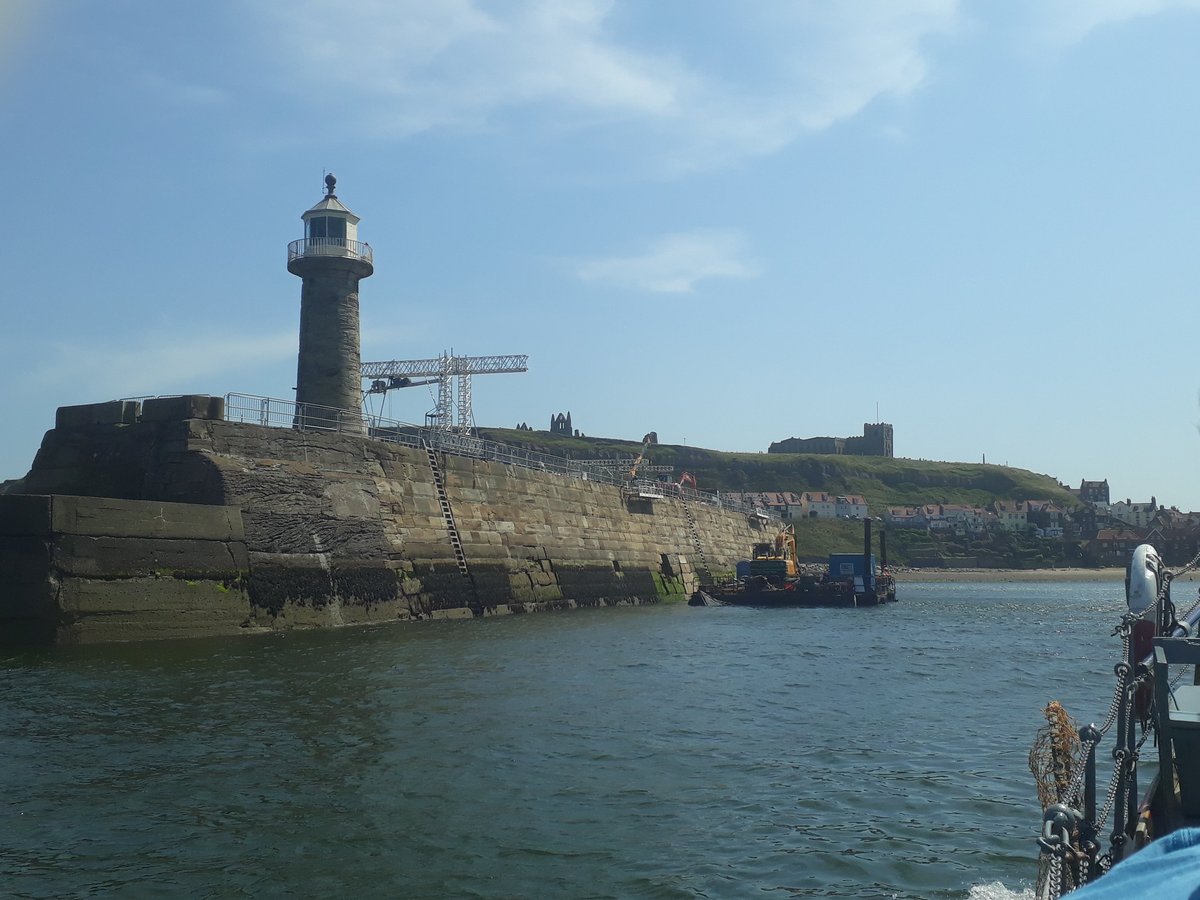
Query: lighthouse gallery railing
<point>329,246</point>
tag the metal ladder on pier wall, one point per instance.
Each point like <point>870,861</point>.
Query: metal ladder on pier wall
<point>701,570</point>
<point>447,513</point>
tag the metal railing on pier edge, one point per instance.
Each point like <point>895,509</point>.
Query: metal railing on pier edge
<point>275,413</point>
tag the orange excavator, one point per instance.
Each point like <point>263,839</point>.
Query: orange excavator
<point>776,561</point>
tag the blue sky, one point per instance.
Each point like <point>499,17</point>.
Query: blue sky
<point>729,223</point>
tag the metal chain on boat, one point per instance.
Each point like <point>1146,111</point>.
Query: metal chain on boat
<point>1122,761</point>
<point>1119,696</point>
<point>1125,630</point>
<point>1164,598</point>
<point>1169,576</point>
<point>1111,799</point>
<point>1113,786</point>
<point>1049,880</point>
<point>1056,839</point>
<point>1053,880</point>
<point>1060,819</point>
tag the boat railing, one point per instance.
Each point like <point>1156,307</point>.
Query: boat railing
<point>1178,722</point>
<point>1073,824</point>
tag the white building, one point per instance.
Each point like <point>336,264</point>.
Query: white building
<point>850,506</point>
<point>1136,514</point>
<point>1012,514</point>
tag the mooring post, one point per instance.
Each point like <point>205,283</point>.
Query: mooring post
<point>868,569</point>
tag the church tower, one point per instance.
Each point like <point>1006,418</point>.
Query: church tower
<point>331,261</point>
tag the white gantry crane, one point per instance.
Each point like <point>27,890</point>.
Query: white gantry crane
<point>442,370</point>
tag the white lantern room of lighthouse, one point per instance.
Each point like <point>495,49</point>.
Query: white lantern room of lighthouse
<point>330,229</point>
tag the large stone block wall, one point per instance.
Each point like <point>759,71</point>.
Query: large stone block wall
<point>351,529</point>
<point>335,529</point>
<point>145,456</point>
<point>95,569</point>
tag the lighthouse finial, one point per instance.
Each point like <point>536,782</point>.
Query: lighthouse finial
<point>330,184</point>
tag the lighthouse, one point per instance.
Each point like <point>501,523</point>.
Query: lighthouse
<point>331,260</point>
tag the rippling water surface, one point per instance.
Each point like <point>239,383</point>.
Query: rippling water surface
<point>633,752</point>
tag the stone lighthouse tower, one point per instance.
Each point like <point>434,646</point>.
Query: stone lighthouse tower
<point>331,260</point>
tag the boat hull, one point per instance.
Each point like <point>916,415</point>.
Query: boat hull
<point>800,593</point>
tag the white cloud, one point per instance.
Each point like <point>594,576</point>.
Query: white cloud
<point>732,81</point>
<point>1065,22</point>
<point>158,364</point>
<point>674,263</point>
<point>422,65</point>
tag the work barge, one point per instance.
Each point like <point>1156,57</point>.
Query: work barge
<point>196,515</point>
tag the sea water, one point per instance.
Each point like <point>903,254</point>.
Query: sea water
<point>662,752</point>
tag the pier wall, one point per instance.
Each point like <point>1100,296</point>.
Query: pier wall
<point>325,529</point>
<point>96,569</point>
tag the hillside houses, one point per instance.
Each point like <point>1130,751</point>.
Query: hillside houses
<point>1113,546</point>
<point>1092,491</point>
<point>907,517</point>
<point>941,517</point>
<point>1048,517</point>
<point>1174,534</point>
<point>785,504</point>
<point>963,519</point>
<point>1139,515</point>
<point>833,506</point>
<point>1096,533</point>
<point>1045,518</point>
<point>808,505</point>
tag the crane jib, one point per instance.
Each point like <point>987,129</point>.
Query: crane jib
<point>445,365</point>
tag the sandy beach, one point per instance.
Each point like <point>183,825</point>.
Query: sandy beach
<point>1114,574</point>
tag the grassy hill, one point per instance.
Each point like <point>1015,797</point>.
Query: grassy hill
<point>883,482</point>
